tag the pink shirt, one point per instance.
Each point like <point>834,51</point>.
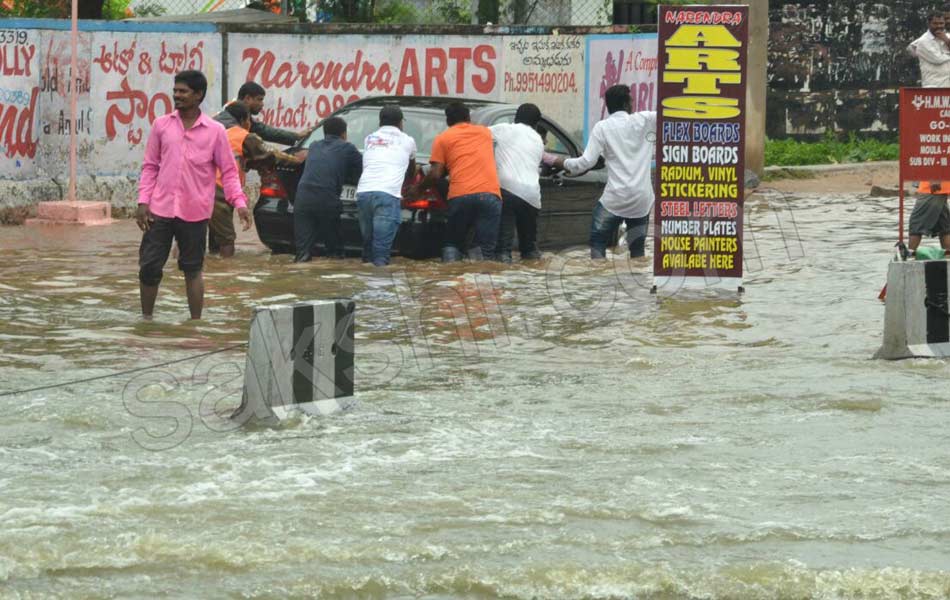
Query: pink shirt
<point>178,174</point>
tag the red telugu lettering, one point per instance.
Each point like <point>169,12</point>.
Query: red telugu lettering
<point>117,60</point>
<point>139,104</point>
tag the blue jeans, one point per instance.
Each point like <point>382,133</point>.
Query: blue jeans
<point>603,228</point>
<point>481,211</point>
<point>380,215</point>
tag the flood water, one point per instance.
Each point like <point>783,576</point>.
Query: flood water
<point>548,430</point>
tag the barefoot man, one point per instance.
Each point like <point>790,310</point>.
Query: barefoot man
<point>176,191</point>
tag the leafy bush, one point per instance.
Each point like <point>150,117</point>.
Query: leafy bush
<point>37,9</point>
<point>787,153</point>
<point>115,10</point>
<point>395,12</point>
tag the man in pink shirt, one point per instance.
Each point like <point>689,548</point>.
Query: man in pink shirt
<point>176,191</point>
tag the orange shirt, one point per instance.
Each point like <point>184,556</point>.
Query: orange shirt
<point>924,188</point>
<point>467,153</point>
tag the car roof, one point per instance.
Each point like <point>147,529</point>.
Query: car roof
<point>480,108</point>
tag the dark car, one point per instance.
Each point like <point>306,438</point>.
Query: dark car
<point>566,202</point>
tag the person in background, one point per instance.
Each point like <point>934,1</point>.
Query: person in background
<point>930,216</point>
<point>464,152</point>
<point>251,95</point>
<point>176,191</point>
<point>519,151</point>
<point>626,141</point>
<point>932,50</point>
<point>250,152</point>
<point>331,163</point>
<point>389,159</point>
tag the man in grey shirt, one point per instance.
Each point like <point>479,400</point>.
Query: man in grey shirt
<point>252,95</point>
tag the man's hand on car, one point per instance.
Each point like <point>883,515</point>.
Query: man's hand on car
<point>305,133</point>
<point>143,216</point>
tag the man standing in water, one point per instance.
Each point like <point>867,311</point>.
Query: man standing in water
<point>519,152</point>
<point>626,141</point>
<point>176,191</point>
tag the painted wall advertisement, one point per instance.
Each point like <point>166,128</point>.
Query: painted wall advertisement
<point>132,79</point>
<point>700,149</point>
<point>19,95</point>
<point>615,59</point>
<point>547,70</point>
<point>123,82</point>
<point>308,77</point>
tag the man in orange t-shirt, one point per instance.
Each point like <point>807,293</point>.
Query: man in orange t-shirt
<point>465,152</point>
<point>930,216</point>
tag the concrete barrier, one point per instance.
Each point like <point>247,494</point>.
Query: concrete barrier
<point>65,212</point>
<point>299,358</point>
<point>916,315</point>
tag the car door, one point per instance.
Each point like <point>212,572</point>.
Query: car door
<point>566,202</point>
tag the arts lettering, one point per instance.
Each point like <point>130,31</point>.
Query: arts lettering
<point>417,75</point>
<point>703,58</point>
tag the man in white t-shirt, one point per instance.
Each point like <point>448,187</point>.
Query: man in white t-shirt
<point>518,154</point>
<point>389,158</point>
<point>933,52</point>
<point>627,142</point>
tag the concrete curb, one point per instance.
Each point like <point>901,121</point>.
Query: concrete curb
<point>810,171</point>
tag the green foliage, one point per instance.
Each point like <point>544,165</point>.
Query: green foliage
<point>149,8</point>
<point>115,10</point>
<point>450,12</point>
<point>787,153</point>
<point>35,9</point>
<point>396,12</point>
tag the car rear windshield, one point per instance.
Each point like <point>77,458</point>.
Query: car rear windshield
<point>422,125</point>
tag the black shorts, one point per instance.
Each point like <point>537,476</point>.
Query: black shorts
<point>157,244</point>
<point>930,215</point>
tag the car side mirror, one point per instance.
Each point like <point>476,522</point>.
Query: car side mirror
<point>600,164</point>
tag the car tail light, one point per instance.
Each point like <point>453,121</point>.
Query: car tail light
<point>430,200</point>
<point>271,186</point>
<point>433,203</point>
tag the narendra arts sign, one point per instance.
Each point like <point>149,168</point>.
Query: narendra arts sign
<point>700,146</point>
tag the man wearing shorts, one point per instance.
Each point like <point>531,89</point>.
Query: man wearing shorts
<point>176,191</point>
<point>931,215</point>
<point>250,152</point>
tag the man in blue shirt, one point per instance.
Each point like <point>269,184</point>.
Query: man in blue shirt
<point>331,163</point>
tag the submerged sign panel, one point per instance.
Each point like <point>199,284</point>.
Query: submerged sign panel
<point>701,144</point>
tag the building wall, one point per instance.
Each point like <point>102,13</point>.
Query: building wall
<point>838,65</point>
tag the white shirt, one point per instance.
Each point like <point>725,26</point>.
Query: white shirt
<point>627,143</point>
<point>386,155</point>
<point>518,153</point>
<point>934,57</point>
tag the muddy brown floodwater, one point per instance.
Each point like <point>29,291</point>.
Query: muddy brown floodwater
<point>528,431</point>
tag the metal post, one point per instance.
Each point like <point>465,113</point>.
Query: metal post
<point>73,102</point>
